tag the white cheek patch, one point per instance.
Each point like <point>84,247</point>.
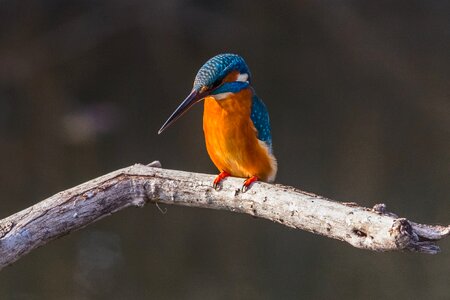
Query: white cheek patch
<point>242,77</point>
<point>222,96</point>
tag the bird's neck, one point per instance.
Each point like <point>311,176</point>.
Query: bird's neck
<point>223,119</point>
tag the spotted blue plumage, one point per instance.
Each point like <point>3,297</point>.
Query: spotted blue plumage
<point>215,69</point>
<point>261,121</point>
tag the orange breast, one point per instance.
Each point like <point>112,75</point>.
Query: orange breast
<point>231,138</point>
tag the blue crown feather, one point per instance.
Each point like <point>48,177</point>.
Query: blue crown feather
<point>215,69</point>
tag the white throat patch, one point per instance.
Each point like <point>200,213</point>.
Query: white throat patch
<point>222,96</point>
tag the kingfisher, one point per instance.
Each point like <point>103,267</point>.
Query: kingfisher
<point>235,121</point>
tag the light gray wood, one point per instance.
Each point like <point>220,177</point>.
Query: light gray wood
<point>72,209</point>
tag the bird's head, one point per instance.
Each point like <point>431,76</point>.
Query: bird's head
<point>219,76</point>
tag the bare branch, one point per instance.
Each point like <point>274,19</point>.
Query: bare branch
<point>372,229</point>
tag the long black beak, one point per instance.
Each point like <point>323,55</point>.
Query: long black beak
<point>190,100</point>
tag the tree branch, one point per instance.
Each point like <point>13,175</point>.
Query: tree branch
<point>372,229</point>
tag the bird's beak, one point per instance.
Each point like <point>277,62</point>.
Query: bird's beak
<point>194,97</point>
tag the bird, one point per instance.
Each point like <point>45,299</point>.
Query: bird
<point>236,122</point>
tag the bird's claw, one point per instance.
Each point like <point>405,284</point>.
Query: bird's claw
<point>248,182</point>
<point>217,182</point>
<point>217,186</point>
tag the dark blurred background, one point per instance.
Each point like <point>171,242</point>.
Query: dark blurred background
<point>358,94</point>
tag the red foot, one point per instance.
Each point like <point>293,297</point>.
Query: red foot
<point>219,178</point>
<point>248,182</point>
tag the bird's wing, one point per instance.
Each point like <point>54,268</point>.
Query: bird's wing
<point>260,119</point>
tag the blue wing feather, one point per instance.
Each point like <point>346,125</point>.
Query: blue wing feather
<point>261,121</point>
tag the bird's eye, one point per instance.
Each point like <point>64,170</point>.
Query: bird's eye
<point>216,84</point>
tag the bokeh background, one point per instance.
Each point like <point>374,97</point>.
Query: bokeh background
<point>358,94</point>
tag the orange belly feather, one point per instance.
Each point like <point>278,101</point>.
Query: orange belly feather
<point>231,138</point>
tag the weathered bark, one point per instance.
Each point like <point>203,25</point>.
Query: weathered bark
<point>372,229</point>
